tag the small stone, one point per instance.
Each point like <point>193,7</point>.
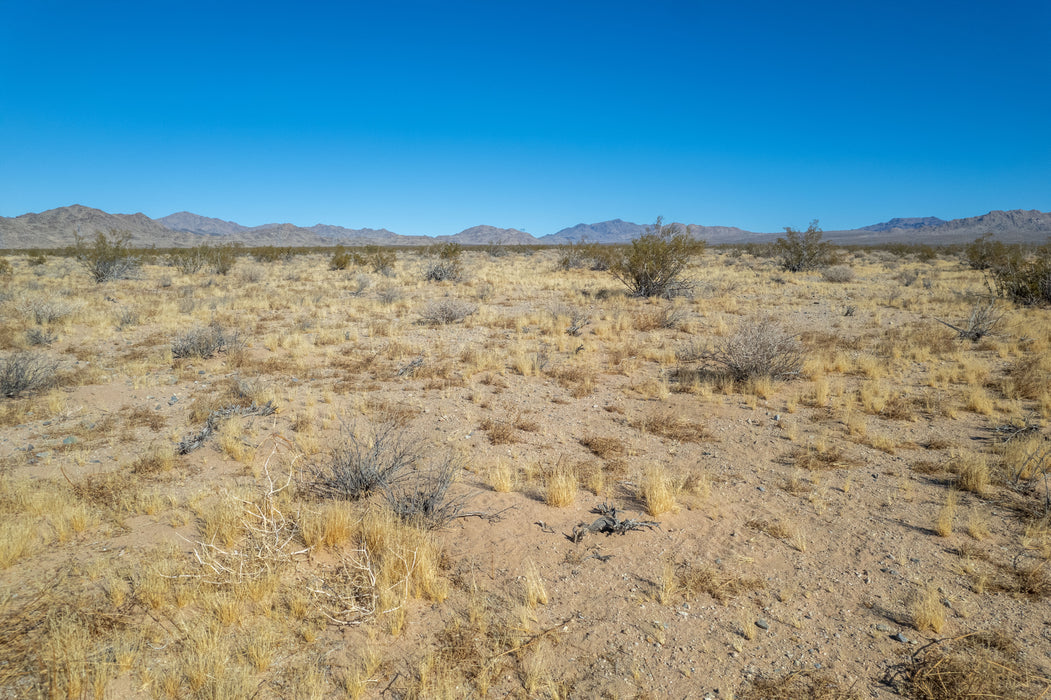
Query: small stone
<point>762,624</point>
<point>69,440</point>
<point>899,637</point>
<point>882,628</point>
<point>763,490</point>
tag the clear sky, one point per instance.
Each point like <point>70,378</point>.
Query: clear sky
<point>430,117</point>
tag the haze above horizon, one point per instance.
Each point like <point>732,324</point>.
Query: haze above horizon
<point>428,118</point>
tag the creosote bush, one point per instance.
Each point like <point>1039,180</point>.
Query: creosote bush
<point>803,250</point>
<point>108,257</point>
<point>1025,280</point>
<point>189,260</point>
<point>654,263</point>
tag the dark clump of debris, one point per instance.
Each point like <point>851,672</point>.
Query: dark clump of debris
<point>191,442</point>
<point>611,523</point>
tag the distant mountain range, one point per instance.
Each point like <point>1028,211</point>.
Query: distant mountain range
<point>56,228</point>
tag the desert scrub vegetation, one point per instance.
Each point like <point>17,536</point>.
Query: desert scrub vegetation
<point>554,398</point>
<point>205,342</point>
<point>25,373</point>
<point>754,350</point>
<point>108,256</point>
<point>654,264</point>
<point>803,250</point>
<point>446,265</point>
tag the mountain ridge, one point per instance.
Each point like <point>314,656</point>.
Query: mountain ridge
<point>59,227</point>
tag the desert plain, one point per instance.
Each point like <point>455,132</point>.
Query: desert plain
<point>180,515</point>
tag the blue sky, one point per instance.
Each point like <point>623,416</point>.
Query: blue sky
<point>430,117</point>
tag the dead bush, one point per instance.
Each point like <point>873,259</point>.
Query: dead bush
<point>977,665</point>
<point>26,373</point>
<point>447,311</point>
<point>838,274</point>
<point>205,342</point>
<point>368,461</point>
<point>422,499</point>
<point>756,350</point>
<point>812,685</point>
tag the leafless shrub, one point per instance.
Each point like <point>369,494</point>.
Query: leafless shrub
<point>577,317</point>
<point>43,310</point>
<point>813,685</point>
<point>26,372</point>
<point>983,321</point>
<point>838,274</point>
<point>38,337</point>
<point>907,277</point>
<point>667,316</point>
<point>269,542</point>
<point>360,285</point>
<point>447,311</point>
<point>390,295</point>
<point>189,260</point>
<point>205,342</point>
<point>126,317</point>
<point>976,665</point>
<point>367,462</point>
<point>757,350</point>
<point>443,270</point>
<point>421,497</point>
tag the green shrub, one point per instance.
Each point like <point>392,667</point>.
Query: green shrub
<point>5,268</point>
<point>985,253</point>
<point>223,257</point>
<point>653,265</point>
<point>583,254</point>
<point>189,260</point>
<point>109,257</point>
<point>803,250</point>
<point>1024,280</point>
<point>341,259</point>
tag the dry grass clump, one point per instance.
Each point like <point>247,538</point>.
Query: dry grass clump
<point>971,667</point>
<point>796,685</point>
<point>578,379</point>
<point>1027,457</point>
<point>927,612</point>
<point>780,530</point>
<point>669,423</point>
<point>946,516</point>
<point>971,470</point>
<point>1028,377</point>
<point>722,585</point>
<point>603,447</point>
<point>817,456</point>
<point>560,488</point>
<point>658,491</point>
<point>838,274</point>
<point>160,458</point>
<point>500,432</point>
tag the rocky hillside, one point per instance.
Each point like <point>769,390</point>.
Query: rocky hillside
<point>56,228</point>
